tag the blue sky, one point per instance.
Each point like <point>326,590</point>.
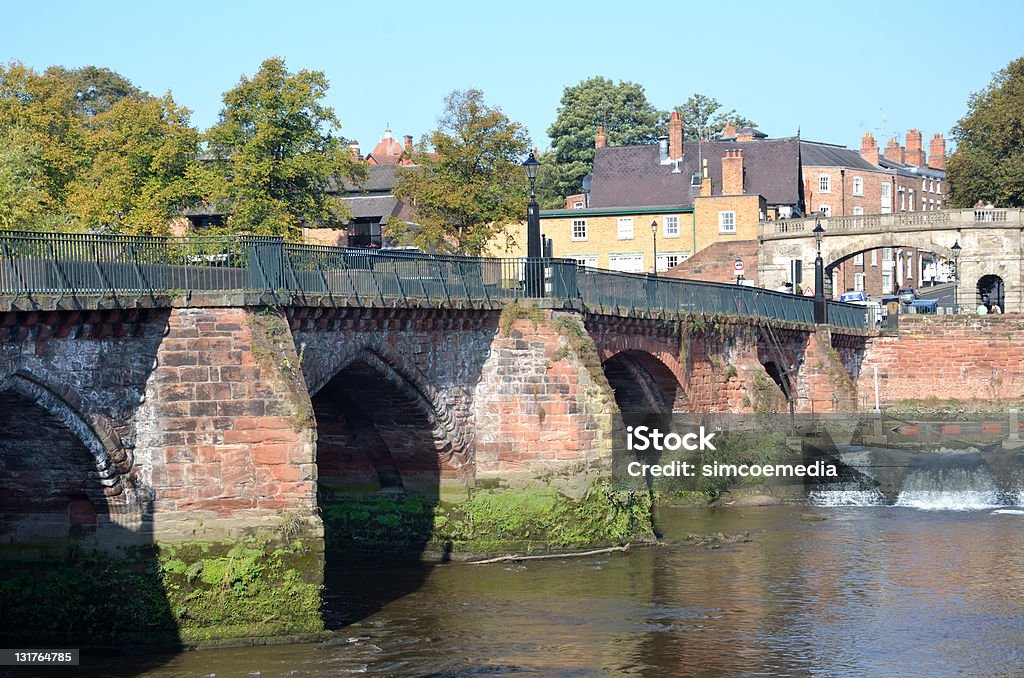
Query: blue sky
<point>835,70</point>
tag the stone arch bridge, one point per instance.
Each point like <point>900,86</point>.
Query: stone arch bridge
<point>991,244</point>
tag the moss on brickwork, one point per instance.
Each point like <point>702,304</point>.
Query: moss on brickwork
<point>189,593</point>
<point>516,311</point>
<point>273,350</point>
<point>532,519</point>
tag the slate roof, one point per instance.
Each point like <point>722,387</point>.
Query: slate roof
<point>626,176</point>
<point>817,154</point>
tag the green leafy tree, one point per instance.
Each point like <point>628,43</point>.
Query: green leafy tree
<point>137,179</point>
<point>275,152</point>
<point>472,186</point>
<point>703,118</point>
<point>96,89</point>
<point>39,111</point>
<point>628,118</point>
<point>23,201</point>
<point>988,163</point>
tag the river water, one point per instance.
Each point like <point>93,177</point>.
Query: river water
<point>817,590</point>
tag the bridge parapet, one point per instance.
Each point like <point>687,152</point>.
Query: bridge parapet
<point>901,221</point>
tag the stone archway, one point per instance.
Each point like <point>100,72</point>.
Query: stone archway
<point>643,386</point>
<point>990,292</point>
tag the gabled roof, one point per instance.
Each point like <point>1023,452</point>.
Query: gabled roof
<point>388,150</point>
<point>627,176</point>
<point>817,154</point>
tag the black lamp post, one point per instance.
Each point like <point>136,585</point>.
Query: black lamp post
<point>956,275</point>
<point>820,307</point>
<point>654,234</point>
<point>534,268</point>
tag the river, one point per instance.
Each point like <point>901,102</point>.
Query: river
<point>831,591</point>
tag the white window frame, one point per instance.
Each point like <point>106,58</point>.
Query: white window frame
<point>858,210</point>
<point>664,263</point>
<point>924,184</point>
<point>858,186</point>
<point>858,282</point>
<point>588,260</point>
<point>671,232</point>
<point>578,230</point>
<point>620,256</point>
<point>825,209</point>
<point>938,185</point>
<point>625,228</point>
<point>858,259</point>
<point>578,205</point>
<point>824,183</point>
<point>727,222</point>
<point>886,282</point>
<point>874,257</point>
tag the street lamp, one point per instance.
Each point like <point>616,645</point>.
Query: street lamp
<point>956,275</point>
<point>820,307</point>
<point>654,234</point>
<point>534,285</point>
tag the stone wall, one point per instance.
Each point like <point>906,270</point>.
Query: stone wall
<point>945,357</point>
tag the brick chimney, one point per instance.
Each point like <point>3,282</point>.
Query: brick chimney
<point>893,150</point>
<point>675,136</point>
<point>353,147</point>
<point>937,153</point>
<point>728,132</point>
<point>601,140</point>
<point>915,152</point>
<point>745,136</point>
<point>732,172</point>
<point>869,148</point>
<point>408,143</point>
<point>705,179</point>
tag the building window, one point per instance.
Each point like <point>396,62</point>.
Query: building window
<point>824,183</point>
<point>858,210</point>
<point>588,260</point>
<point>910,204</point>
<point>727,222</point>
<point>671,260</point>
<point>874,257</point>
<point>924,184</point>
<point>903,199</point>
<point>858,186</point>
<point>826,210</point>
<point>887,257</point>
<point>579,229</point>
<point>858,282</point>
<point>627,263</point>
<point>910,265</point>
<point>938,185</point>
<point>671,227</point>
<point>578,205</point>
<point>886,282</point>
<point>886,197</point>
<point>858,259</point>
<point>625,228</point>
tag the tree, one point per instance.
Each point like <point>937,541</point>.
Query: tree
<point>988,163</point>
<point>39,111</point>
<point>274,154</point>
<point>137,179</point>
<point>23,201</point>
<point>622,108</point>
<point>472,186</point>
<point>702,119</point>
<point>96,89</point>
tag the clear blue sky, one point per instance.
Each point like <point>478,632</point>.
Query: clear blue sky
<point>833,69</point>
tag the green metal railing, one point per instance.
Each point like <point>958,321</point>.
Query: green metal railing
<point>83,264</point>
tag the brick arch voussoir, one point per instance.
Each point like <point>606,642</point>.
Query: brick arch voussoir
<point>625,343</point>
<point>452,439</point>
<point>112,459</point>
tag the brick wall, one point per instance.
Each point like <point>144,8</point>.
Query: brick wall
<point>748,209</point>
<point>946,357</point>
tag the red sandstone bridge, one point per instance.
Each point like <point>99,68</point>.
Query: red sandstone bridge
<point>199,388</point>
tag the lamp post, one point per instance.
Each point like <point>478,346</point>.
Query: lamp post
<point>654,234</point>
<point>534,285</point>
<point>820,307</point>
<point>956,275</point>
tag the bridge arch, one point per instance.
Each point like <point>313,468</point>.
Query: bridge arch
<point>990,291</point>
<point>380,428</point>
<point>643,385</point>
<point>834,258</point>
<point>59,468</point>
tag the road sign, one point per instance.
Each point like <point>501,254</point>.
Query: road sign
<point>738,266</point>
<point>808,292</point>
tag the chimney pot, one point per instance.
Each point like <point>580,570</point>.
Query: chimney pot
<point>732,172</point>
<point>601,140</point>
<point>937,153</point>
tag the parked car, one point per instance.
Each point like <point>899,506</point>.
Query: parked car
<point>907,295</point>
<point>854,297</point>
